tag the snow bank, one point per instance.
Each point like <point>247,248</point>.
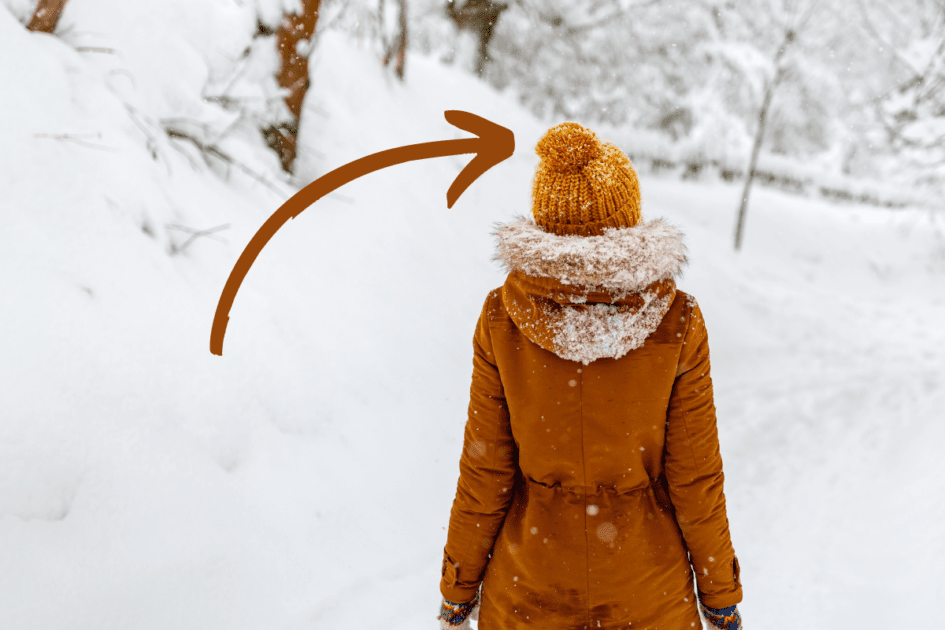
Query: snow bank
<point>145,483</point>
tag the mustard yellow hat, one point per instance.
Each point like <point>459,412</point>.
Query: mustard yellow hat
<point>583,185</point>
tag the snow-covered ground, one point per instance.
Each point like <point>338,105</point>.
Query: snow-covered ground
<point>303,480</point>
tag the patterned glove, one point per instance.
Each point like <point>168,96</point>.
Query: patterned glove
<point>457,616</point>
<point>724,618</point>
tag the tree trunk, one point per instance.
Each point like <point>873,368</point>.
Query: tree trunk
<point>397,50</point>
<point>46,16</point>
<point>482,58</point>
<point>753,162</point>
<point>293,75</point>
<point>480,17</point>
<point>759,137</point>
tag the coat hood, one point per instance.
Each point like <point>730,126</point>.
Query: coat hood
<point>589,297</point>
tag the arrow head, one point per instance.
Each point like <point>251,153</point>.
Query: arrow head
<point>495,144</point>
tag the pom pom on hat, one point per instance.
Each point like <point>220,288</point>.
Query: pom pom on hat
<point>568,147</point>
<point>583,185</point>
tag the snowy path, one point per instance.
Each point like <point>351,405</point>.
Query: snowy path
<point>831,394</point>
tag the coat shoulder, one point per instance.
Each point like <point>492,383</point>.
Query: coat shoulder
<point>676,321</point>
<point>494,311</point>
<point>685,301</point>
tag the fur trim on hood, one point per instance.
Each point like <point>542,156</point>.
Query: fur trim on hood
<point>623,260</point>
<point>589,297</point>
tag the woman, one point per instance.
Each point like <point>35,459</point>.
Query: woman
<point>590,484</point>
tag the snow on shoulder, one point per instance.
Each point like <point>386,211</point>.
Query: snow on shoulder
<point>626,259</point>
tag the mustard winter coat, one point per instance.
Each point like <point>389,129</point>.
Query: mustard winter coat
<point>590,486</point>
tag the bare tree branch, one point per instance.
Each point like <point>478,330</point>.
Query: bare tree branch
<point>867,23</point>
<point>208,149</point>
<point>194,235</point>
<point>96,49</point>
<point>77,138</point>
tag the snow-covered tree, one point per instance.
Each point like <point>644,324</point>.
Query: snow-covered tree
<point>855,90</point>
<point>912,108</point>
<point>395,43</point>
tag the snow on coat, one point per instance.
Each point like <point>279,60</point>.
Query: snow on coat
<point>590,486</point>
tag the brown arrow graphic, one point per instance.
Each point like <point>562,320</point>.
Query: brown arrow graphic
<point>493,145</point>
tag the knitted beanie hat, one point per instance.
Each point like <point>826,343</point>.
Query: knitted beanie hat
<point>583,185</point>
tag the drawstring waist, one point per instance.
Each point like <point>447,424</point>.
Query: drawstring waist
<point>591,490</point>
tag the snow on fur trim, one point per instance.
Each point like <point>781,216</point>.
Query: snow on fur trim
<point>624,259</point>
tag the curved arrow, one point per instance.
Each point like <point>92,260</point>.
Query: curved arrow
<point>493,145</point>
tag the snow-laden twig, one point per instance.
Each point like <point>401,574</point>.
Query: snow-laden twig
<point>152,143</point>
<point>96,49</point>
<point>194,235</point>
<point>209,149</point>
<point>77,138</point>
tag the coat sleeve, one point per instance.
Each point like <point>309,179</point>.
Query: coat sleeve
<point>487,470</point>
<point>693,468</point>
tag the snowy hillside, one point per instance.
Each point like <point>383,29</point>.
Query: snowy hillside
<point>305,477</point>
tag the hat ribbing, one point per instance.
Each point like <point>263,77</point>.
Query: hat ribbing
<point>583,185</point>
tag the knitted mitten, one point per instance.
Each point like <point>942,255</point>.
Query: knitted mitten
<point>724,618</point>
<point>457,616</point>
